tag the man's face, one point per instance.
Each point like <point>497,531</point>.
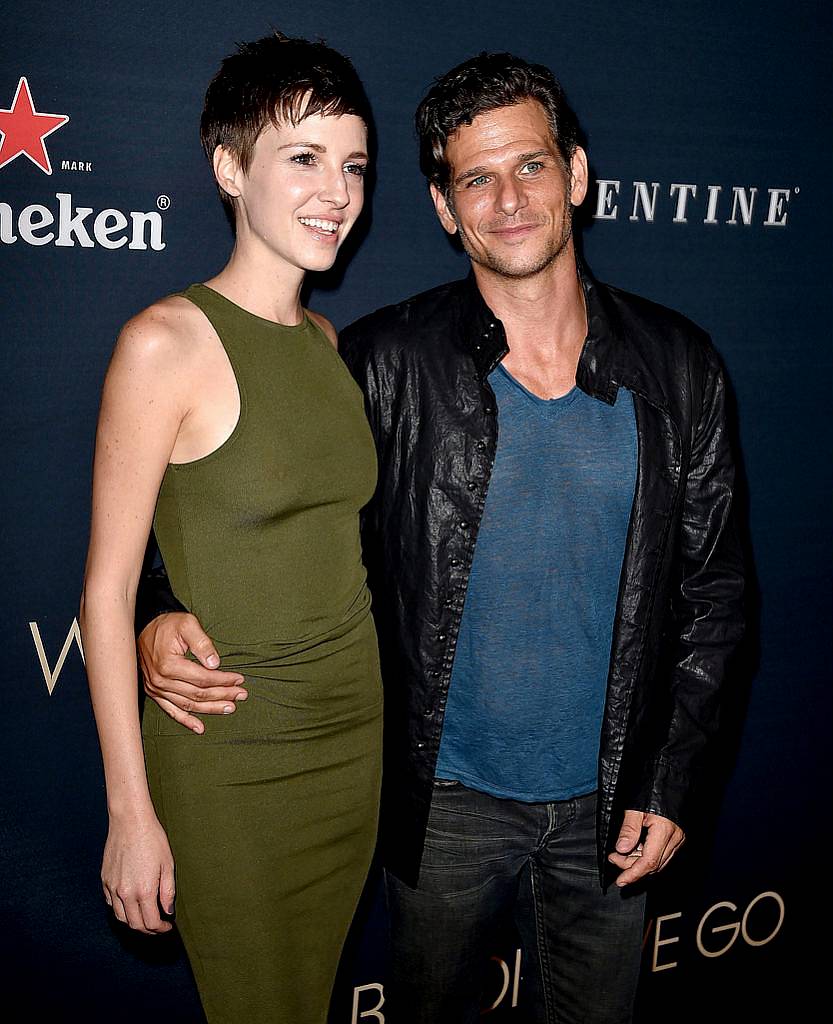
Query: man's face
<point>510,194</point>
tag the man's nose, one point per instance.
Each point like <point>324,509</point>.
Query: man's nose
<point>510,196</point>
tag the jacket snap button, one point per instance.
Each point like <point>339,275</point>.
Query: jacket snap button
<point>464,525</point>
<point>454,562</point>
<point>420,746</point>
<point>471,485</point>
<point>441,636</point>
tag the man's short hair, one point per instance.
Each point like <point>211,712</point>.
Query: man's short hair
<point>480,84</point>
<point>276,80</point>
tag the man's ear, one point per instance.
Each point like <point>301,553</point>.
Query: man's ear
<point>443,212</point>
<point>578,177</point>
<point>227,171</point>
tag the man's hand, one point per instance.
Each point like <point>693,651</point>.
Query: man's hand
<point>638,856</point>
<point>179,685</point>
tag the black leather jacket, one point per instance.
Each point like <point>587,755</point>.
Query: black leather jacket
<point>422,365</point>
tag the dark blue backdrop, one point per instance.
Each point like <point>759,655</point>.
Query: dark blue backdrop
<point>697,93</point>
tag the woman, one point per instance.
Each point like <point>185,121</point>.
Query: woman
<point>229,421</point>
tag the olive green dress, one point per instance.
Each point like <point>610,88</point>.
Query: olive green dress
<point>272,812</point>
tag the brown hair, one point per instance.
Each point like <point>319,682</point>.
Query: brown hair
<point>483,83</point>
<point>275,80</point>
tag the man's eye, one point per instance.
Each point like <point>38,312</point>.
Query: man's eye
<point>305,159</point>
<point>481,179</point>
<point>532,166</point>
<point>358,169</point>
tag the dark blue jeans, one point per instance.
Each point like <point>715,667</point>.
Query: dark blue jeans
<point>488,861</point>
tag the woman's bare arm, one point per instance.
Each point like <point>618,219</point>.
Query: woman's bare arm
<point>144,402</point>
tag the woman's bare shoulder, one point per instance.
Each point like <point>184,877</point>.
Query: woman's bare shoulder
<point>324,324</point>
<point>168,331</point>
<point>172,319</point>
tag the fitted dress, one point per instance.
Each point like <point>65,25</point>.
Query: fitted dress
<point>272,812</point>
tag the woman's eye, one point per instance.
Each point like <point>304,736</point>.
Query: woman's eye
<point>358,169</point>
<point>305,159</point>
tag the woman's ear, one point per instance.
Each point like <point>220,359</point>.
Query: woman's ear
<point>227,171</point>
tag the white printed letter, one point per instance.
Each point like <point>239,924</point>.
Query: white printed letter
<point>744,931</point>
<point>682,192</point>
<point>50,676</point>
<point>106,224</point>
<point>663,942</point>
<point>711,209</point>
<point>6,222</point>
<point>732,927</point>
<point>743,202</point>
<point>777,216</point>
<point>606,208</point>
<point>69,223</point>
<point>641,198</point>
<point>504,987</point>
<point>31,219</point>
<point>374,1011</point>
<point>137,237</point>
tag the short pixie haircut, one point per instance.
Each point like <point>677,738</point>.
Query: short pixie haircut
<point>276,80</point>
<point>483,83</point>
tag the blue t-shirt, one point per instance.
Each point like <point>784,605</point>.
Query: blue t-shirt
<point>527,691</point>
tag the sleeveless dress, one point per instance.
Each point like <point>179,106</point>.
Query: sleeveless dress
<point>271,813</point>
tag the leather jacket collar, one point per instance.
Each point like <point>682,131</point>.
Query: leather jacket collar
<point>603,366</point>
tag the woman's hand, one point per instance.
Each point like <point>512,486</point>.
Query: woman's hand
<point>137,873</point>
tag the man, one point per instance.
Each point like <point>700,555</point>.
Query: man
<point>556,579</point>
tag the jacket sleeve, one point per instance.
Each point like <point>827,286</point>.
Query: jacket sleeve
<point>707,605</point>
<point>154,596</point>
<point>358,356</point>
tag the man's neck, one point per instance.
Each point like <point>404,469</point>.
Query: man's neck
<point>548,305</point>
<point>545,322</point>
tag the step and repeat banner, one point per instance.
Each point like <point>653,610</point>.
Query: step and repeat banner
<point>707,128</point>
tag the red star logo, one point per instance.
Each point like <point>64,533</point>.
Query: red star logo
<point>23,129</point>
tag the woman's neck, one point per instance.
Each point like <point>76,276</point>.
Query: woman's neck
<point>269,288</point>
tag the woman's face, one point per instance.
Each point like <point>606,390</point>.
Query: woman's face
<point>303,190</point>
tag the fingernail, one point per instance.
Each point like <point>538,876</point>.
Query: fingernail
<point>199,729</point>
<point>241,696</point>
<point>228,709</point>
<point>212,661</point>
